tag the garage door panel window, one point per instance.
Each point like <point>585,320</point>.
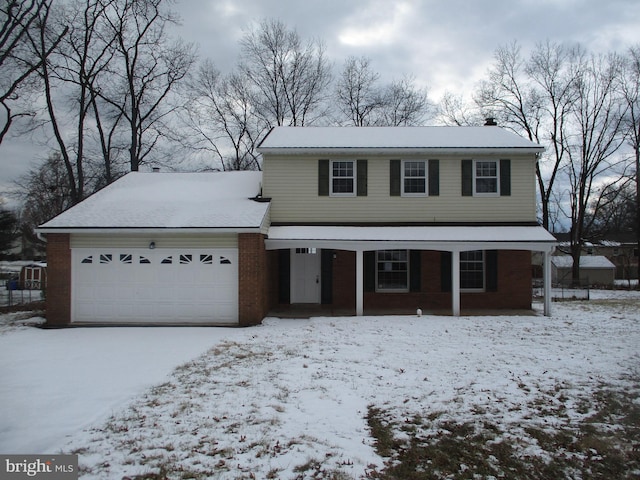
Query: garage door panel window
<point>88,259</point>
<point>167,260</point>
<point>186,259</point>
<point>225,261</point>
<point>126,258</point>
<point>206,259</point>
<point>144,260</point>
<point>106,258</point>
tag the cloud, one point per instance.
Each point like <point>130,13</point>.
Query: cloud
<point>375,25</point>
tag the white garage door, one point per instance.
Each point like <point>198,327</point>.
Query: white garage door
<point>155,286</point>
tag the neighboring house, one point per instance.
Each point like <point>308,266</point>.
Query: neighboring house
<point>594,270</point>
<point>621,249</point>
<point>359,220</point>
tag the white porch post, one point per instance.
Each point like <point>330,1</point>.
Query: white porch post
<point>359,283</point>
<point>455,283</point>
<point>546,280</point>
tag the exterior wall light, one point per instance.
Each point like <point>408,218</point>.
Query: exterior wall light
<point>152,245</point>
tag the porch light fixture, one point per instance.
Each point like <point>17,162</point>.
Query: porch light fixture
<point>152,245</point>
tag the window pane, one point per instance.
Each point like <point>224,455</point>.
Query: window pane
<point>343,169</point>
<point>343,185</point>
<point>472,270</point>
<point>415,180</point>
<point>414,185</point>
<point>414,169</point>
<point>392,270</point>
<point>486,177</point>
<point>343,180</point>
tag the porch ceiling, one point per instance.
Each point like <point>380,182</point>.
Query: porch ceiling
<point>443,238</point>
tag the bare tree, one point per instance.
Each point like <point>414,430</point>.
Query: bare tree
<point>533,97</point>
<point>220,116</point>
<point>404,104</point>
<point>362,102</point>
<point>45,191</point>
<point>631,91</point>
<point>17,18</point>
<point>553,70</point>
<point>453,110</point>
<point>598,115</point>
<point>147,67</point>
<point>358,97</point>
<point>9,229</point>
<point>289,78</point>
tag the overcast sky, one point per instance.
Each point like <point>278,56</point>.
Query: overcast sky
<point>444,44</point>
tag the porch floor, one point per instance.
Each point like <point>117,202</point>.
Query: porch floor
<point>308,310</point>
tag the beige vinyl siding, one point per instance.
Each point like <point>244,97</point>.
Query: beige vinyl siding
<point>292,184</point>
<point>115,240</point>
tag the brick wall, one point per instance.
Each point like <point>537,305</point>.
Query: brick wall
<point>59,279</point>
<point>253,281</point>
<point>514,286</point>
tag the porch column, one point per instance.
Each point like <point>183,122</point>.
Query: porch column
<point>359,283</point>
<point>455,283</point>
<point>546,280</point>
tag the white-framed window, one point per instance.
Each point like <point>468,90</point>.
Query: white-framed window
<point>307,251</point>
<point>486,178</point>
<point>342,178</point>
<point>414,178</point>
<point>392,271</point>
<point>472,271</point>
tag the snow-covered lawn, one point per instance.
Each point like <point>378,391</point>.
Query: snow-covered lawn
<point>291,398</point>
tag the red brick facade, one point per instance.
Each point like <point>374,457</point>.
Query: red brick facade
<point>59,279</point>
<point>513,289</point>
<point>253,279</point>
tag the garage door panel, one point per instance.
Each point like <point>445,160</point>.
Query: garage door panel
<point>163,285</point>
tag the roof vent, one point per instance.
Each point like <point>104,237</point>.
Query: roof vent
<point>155,169</point>
<point>490,122</point>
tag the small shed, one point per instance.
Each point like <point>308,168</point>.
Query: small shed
<point>594,270</point>
<point>33,276</point>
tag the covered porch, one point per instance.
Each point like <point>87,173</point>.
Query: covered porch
<point>353,245</point>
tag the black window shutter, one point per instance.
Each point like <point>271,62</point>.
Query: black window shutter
<point>467,178</point>
<point>505,178</point>
<point>361,167</point>
<point>369,267</point>
<point>284,276</point>
<point>323,178</point>
<point>491,266</point>
<point>394,177</point>
<point>326,274</point>
<point>445,271</point>
<point>434,178</point>
<point>415,276</point>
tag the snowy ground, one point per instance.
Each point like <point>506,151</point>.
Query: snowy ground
<point>290,399</point>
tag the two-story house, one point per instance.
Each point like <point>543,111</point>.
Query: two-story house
<point>360,220</point>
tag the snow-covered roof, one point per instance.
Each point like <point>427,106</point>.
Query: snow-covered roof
<point>586,261</point>
<point>433,139</point>
<point>170,200</point>
<point>437,237</point>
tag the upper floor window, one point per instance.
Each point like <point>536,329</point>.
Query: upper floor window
<point>485,177</point>
<point>488,178</point>
<point>343,179</point>
<point>414,178</point>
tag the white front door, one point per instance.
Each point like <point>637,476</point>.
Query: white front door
<point>305,275</point>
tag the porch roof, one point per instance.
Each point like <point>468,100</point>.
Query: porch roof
<point>444,238</point>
